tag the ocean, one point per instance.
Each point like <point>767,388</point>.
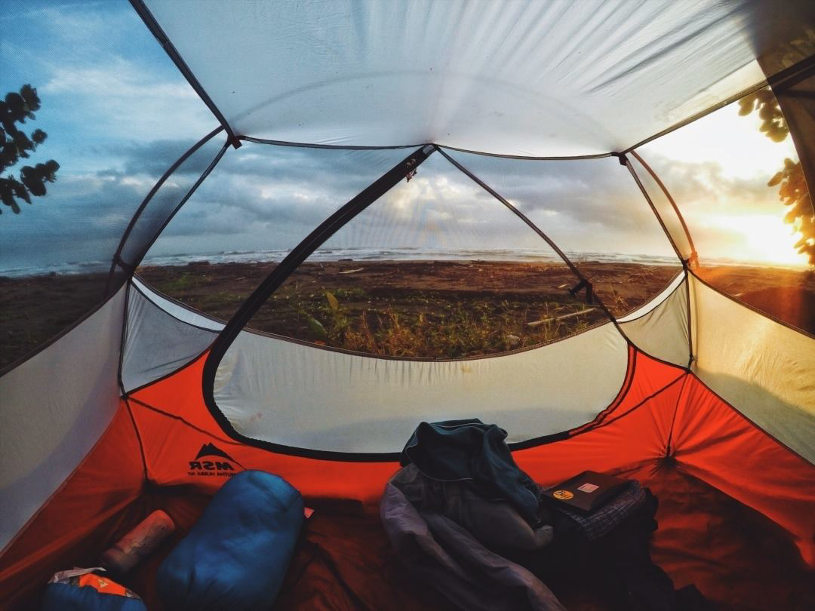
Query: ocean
<point>364,254</point>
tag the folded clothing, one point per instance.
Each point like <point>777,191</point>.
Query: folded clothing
<point>445,556</point>
<point>605,518</point>
<point>236,556</point>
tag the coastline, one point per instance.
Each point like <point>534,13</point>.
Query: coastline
<point>36,308</point>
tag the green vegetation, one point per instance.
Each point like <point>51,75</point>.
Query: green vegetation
<point>420,309</point>
<point>429,324</point>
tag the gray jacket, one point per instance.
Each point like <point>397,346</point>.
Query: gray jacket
<point>443,533</point>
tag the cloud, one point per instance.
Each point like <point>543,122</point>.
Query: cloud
<point>581,204</point>
<point>705,188</point>
<point>283,192</point>
<point>269,197</point>
<point>155,157</point>
<point>103,79</point>
<point>119,100</point>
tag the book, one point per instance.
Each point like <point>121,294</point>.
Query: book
<point>586,492</point>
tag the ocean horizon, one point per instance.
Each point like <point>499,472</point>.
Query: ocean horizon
<point>370,254</point>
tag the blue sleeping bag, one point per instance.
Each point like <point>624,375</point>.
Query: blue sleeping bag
<point>236,555</point>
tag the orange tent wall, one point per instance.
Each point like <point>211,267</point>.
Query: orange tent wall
<point>175,424</point>
<point>79,519</point>
<point>662,411</point>
<point>690,426</point>
<point>663,415</point>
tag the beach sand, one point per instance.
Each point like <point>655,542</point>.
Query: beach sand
<point>429,309</point>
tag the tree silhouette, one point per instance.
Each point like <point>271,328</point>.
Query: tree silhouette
<point>792,186</point>
<point>15,144</point>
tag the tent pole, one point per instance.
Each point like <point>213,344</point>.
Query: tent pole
<point>287,266</point>
<point>687,263</point>
<point>117,256</point>
<point>584,281</point>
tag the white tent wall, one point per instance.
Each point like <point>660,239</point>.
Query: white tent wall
<point>762,368</point>
<point>161,336</point>
<point>317,391</point>
<point>292,394</point>
<point>53,409</point>
<point>312,393</point>
<point>660,328</point>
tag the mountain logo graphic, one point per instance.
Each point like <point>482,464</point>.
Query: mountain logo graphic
<point>209,449</point>
<point>213,461</point>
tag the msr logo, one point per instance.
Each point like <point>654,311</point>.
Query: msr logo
<point>220,464</point>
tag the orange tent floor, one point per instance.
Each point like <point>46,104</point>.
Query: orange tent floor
<point>736,557</point>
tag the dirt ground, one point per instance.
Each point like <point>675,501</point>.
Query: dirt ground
<point>431,309</point>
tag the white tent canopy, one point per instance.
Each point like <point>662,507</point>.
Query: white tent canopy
<point>553,78</point>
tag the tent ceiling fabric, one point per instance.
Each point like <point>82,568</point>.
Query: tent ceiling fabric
<point>549,78</point>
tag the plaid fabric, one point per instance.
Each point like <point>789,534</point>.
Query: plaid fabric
<point>603,520</point>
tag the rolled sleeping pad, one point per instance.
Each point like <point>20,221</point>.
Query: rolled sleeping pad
<point>236,556</point>
<point>138,543</point>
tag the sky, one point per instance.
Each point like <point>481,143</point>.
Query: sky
<point>118,113</point>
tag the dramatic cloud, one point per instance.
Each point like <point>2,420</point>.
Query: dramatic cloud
<point>117,114</point>
<point>283,192</point>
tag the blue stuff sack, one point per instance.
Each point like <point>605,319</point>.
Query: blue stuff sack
<point>81,590</point>
<point>236,556</point>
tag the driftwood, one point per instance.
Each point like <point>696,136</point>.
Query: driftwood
<point>537,323</point>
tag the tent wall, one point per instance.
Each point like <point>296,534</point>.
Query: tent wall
<point>161,337</point>
<point>660,328</point>
<point>699,433</point>
<point>660,411</point>
<point>663,412</point>
<point>313,394</point>
<point>292,394</point>
<point>761,367</point>
<point>53,409</point>
<point>176,427</point>
<point>80,519</point>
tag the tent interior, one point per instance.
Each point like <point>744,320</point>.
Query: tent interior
<point>587,223</point>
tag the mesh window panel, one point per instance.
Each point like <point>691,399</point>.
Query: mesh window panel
<point>257,204</point>
<point>117,114</point>
<point>437,268</point>
<point>594,211</point>
<point>738,183</point>
<point>662,203</point>
<point>167,198</point>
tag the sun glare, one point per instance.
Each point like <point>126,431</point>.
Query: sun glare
<point>762,238</point>
<point>737,215</point>
<point>735,142</point>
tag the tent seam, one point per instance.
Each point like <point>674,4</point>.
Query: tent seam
<point>669,451</point>
<point>752,422</point>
